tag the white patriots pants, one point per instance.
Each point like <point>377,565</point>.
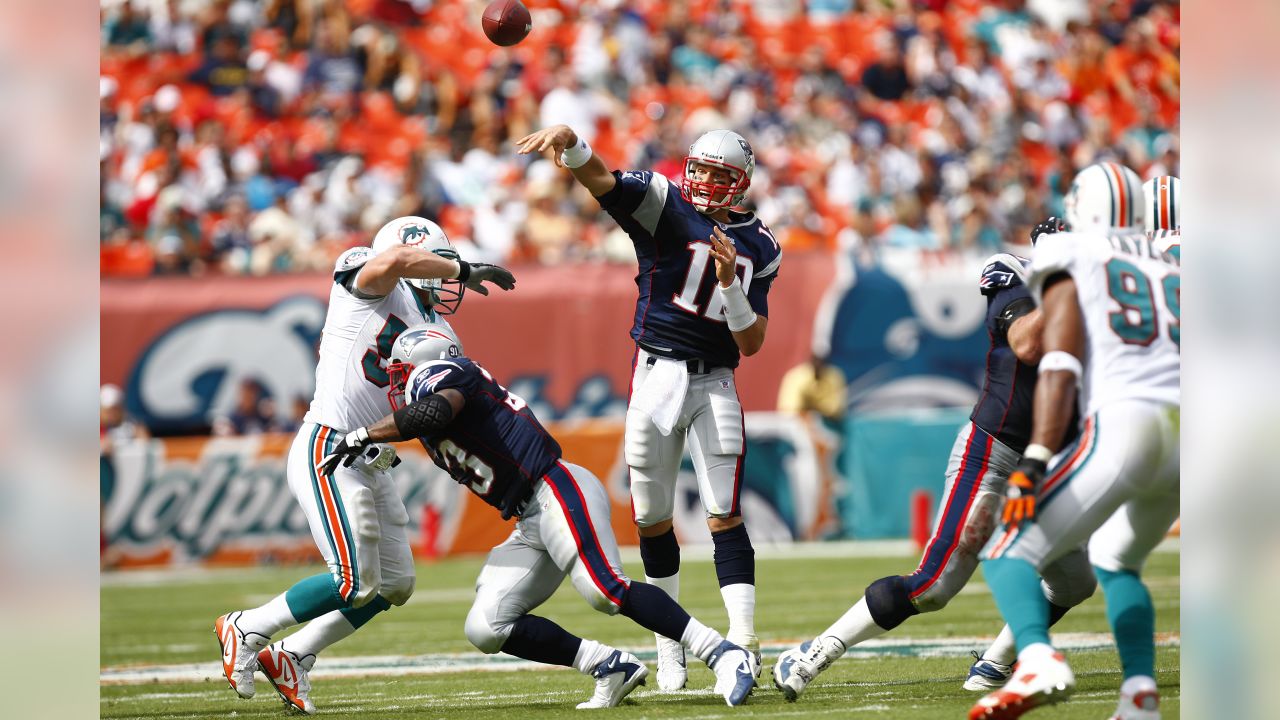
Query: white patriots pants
<point>1117,488</point>
<point>711,419</point>
<point>357,519</point>
<point>973,496</point>
<point>565,530</point>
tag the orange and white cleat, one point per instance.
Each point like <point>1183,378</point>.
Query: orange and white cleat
<point>289,676</point>
<point>239,656</point>
<point>1041,677</point>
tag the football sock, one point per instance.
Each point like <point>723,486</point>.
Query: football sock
<point>590,654</point>
<point>538,639</point>
<point>309,598</point>
<point>1004,650</point>
<point>654,610</point>
<point>736,570</point>
<point>661,558</point>
<point>272,617</point>
<point>332,627</point>
<point>855,626</point>
<point>1016,587</point>
<point>1132,619</point>
<point>700,639</point>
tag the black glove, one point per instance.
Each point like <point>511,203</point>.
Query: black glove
<point>1020,494</point>
<point>1048,227</point>
<point>348,449</point>
<point>474,274</point>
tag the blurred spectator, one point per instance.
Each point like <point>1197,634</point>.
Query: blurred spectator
<point>886,78</point>
<point>254,412</point>
<point>223,70</point>
<point>929,124</point>
<point>129,29</point>
<point>813,386</point>
<point>115,426</point>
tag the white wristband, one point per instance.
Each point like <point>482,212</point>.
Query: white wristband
<point>737,310</point>
<point>1038,452</point>
<point>577,155</point>
<point>1061,360</point>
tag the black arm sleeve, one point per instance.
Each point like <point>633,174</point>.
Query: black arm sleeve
<point>1014,310</point>
<point>430,414</point>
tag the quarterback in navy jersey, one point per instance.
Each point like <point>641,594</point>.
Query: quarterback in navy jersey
<point>487,439</point>
<point>986,452</point>
<point>704,276</point>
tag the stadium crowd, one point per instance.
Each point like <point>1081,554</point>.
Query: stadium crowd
<point>254,137</point>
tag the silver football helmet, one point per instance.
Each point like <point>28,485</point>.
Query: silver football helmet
<point>417,345</point>
<point>1162,195</point>
<point>1104,196</point>
<point>446,294</point>
<point>724,149</point>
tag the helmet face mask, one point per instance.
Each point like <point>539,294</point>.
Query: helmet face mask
<point>718,149</point>
<point>416,346</point>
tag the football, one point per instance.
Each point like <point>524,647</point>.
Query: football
<point>506,22</point>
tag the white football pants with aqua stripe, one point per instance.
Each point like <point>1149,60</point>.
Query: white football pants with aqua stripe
<point>357,519</point>
<point>1117,487</point>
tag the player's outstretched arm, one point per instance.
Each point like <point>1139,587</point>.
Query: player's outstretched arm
<point>747,326</point>
<point>380,275</point>
<point>572,152</point>
<point>1026,336</point>
<point>421,417</point>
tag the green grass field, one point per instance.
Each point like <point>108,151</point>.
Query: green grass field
<point>151,620</point>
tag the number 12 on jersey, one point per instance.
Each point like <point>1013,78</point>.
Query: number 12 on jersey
<point>687,300</point>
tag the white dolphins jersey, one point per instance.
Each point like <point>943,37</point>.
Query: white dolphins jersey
<point>351,379</point>
<point>1130,294</point>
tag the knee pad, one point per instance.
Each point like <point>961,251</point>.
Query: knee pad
<point>889,602</point>
<point>365,594</point>
<point>1069,581</point>
<point>398,591</point>
<point>482,634</point>
<point>600,603</point>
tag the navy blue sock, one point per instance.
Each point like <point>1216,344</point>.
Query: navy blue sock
<point>660,554</point>
<point>538,639</point>
<point>653,609</point>
<point>1056,612</point>
<point>735,558</point>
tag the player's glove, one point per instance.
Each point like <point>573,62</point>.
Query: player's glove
<point>473,275</point>
<point>1020,495</point>
<point>348,449</point>
<point>1050,226</point>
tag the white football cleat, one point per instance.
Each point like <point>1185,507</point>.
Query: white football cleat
<point>1138,703</point>
<point>751,644</point>
<point>615,678</point>
<point>289,676</point>
<point>797,667</point>
<point>239,653</point>
<point>987,675</point>
<point>673,672</point>
<point>734,677</point>
<point>1043,678</point>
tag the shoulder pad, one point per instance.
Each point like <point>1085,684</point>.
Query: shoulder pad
<point>424,378</point>
<point>1002,270</point>
<point>351,259</point>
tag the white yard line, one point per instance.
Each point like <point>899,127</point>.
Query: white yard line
<point>399,665</point>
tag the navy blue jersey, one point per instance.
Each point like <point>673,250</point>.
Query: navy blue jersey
<point>678,312</point>
<point>1004,409</point>
<point>495,446</point>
